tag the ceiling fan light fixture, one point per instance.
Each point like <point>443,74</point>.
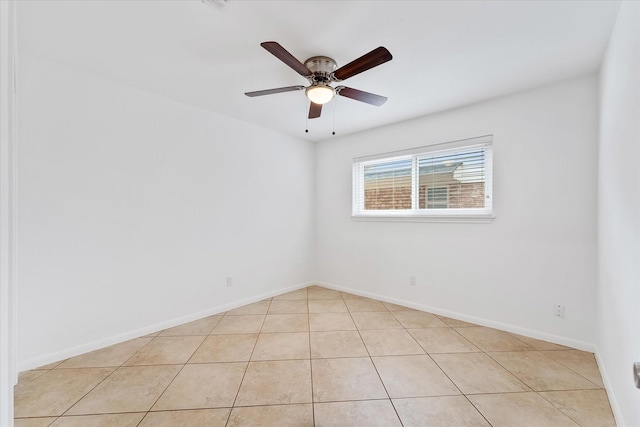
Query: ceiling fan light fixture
<point>320,93</point>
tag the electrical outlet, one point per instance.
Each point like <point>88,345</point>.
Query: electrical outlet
<point>412,280</point>
<point>229,281</point>
<point>558,311</point>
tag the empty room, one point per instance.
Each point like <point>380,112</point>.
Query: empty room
<point>319,213</point>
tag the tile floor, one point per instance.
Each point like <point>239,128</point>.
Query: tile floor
<point>319,357</point>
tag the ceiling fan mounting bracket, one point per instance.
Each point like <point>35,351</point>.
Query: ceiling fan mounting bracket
<point>322,68</point>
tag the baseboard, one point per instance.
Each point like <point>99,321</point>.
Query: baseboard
<point>615,408</point>
<point>116,339</point>
<point>569,342</point>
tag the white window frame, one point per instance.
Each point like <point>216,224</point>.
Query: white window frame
<point>482,215</point>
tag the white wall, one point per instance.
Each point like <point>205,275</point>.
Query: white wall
<point>539,251</point>
<point>618,321</point>
<point>133,209</point>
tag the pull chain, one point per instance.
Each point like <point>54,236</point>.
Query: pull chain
<point>306,127</point>
<point>333,130</point>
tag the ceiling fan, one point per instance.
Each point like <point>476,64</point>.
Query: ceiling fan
<point>321,71</point>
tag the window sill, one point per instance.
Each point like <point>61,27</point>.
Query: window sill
<point>471,219</point>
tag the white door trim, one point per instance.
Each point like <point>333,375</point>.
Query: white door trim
<point>8,373</point>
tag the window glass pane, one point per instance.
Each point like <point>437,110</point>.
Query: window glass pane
<point>452,180</point>
<point>437,198</point>
<point>388,185</point>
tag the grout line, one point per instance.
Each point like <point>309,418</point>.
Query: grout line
<point>244,374</point>
<point>374,365</point>
<point>313,403</point>
<point>443,371</point>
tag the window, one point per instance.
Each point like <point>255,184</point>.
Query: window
<point>450,181</point>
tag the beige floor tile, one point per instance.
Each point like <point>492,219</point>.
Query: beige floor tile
<point>282,346</point>
<point>197,327</point>
<point>288,307</point>
<point>445,411</point>
<point>187,418</point>
<point>322,293</point>
<point>128,389</point>
<point>370,413</point>
<point>519,410</point>
<point>589,408</point>
<point>334,344</point>
<point>276,383</point>
<point>56,391</point>
<point>455,323</point>
<point>300,294</point>
<point>104,420</point>
<point>260,307</point>
<point>365,304</point>
<point>286,323</point>
<point>478,373</point>
<point>375,320</point>
<point>152,334</point>
<point>27,377</point>
<point>346,379</point>
<point>33,422</point>
<point>539,344</point>
<point>540,372</point>
<point>331,322</point>
<point>488,339</point>
<point>114,355</point>
<point>442,340</point>
<point>246,324</point>
<point>413,376</point>
<point>212,385</point>
<point>327,306</point>
<point>277,415</point>
<point>347,295</point>
<point>419,319</point>
<point>396,307</point>
<point>166,350</point>
<point>390,342</point>
<point>581,362</point>
<point>225,348</point>
<point>51,365</point>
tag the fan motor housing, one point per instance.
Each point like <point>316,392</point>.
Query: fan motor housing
<point>322,68</point>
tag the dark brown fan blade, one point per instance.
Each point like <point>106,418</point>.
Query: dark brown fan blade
<point>359,95</point>
<point>372,59</point>
<point>272,91</point>
<point>284,56</point>
<point>315,110</point>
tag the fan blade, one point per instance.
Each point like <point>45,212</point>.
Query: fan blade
<point>367,61</point>
<point>315,110</point>
<point>284,56</point>
<point>360,95</point>
<point>272,91</point>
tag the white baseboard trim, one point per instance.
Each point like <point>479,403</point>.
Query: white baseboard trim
<point>615,408</point>
<point>136,333</point>
<point>569,342</point>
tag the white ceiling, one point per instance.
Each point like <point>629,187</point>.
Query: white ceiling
<point>446,53</point>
